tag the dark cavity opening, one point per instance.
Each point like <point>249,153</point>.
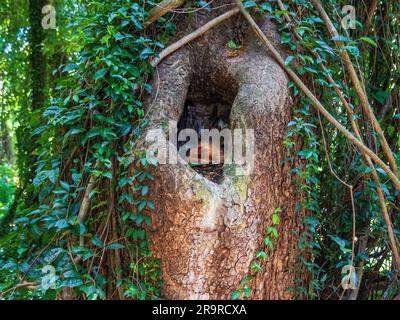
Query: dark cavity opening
<point>204,112</point>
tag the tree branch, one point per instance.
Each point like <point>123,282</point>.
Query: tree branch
<point>190,37</point>
<point>86,200</point>
<point>29,285</point>
<point>83,211</point>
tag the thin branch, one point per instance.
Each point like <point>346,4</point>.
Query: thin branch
<point>356,130</point>
<point>161,9</point>
<point>29,285</point>
<point>353,204</point>
<point>67,163</point>
<point>83,212</point>
<point>194,35</point>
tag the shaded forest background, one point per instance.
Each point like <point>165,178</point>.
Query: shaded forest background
<point>71,113</point>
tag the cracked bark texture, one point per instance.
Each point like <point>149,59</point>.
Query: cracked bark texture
<point>207,234</point>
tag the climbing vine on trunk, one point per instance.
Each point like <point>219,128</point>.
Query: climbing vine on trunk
<point>85,213</point>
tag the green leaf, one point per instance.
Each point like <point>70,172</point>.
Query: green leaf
<point>141,205</point>
<point>312,221</point>
<point>381,171</point>
<point>281,12</point>
<point>268,242</point>
<point>71,282</point>
<point>368,170</point>
<point>107,175</point>
<point>288,60</point>
<point>261,255</point>
<point>273,231</point>
<point>71,274</point>
<point>150,205</point>
<point>147,52</point>
<point>311,70</point>
<point>353,50</point>
<point>236,295</point>
<point>119,36</point>
<point>266,6</point>
<point>65,185</point>
<point>82,229</point>
<point>341,38</point>
<point>247,292</point>
<point>363,255</point>
<point>286,37</point>
<point>338,240</point>
<point>249,4</point>
<point>62,224</point>
<point>255,266</point>
<point>369,40</point>
<point>99,74</point>
<point>232,45</point>
<point>97,242</point>
<point>12,266</point>
<point>52,255</point>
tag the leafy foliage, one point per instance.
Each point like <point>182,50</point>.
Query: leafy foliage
<point>6,188</point>
<point>88,140</point>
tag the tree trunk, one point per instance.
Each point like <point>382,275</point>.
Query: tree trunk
<point>6,151</point>
<point>37,58</point>
<point>207,233</point>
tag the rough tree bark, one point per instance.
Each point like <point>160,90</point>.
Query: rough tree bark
<point>205,233</point>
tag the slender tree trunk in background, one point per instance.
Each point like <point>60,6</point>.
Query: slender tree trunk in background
<point>207,233</point>
<point>6,151</point>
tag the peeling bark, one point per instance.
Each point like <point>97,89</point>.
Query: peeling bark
<point>205,233</point>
